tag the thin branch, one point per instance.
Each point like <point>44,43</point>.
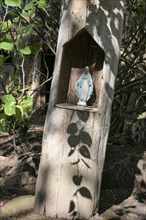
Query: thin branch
<point>40,86</point>
<point>47,74</point>
<point>55,4</point>
<point>133,83</point>
<point>4,17</point>
<point>132,37</point>
<point>119,102</point>
<point>23,76</point>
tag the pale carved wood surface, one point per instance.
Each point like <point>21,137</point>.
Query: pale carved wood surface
<point>74,142</point>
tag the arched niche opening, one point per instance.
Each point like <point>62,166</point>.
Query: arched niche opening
<point>79,52</point>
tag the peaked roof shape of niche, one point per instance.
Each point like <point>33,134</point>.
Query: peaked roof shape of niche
<point>80,51</point>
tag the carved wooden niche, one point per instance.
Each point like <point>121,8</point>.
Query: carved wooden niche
<point>79,52</point>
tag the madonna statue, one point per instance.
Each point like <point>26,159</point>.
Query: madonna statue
<point>84,87</point>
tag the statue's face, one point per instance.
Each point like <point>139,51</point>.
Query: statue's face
<point>86,69</point>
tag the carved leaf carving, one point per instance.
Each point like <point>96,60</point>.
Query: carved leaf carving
<point>71,206</point>
<point>84,152</point>
<point>85,192</point>
<point>77,180</point>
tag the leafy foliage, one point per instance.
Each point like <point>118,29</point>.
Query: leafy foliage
<point>24,25</point>
<point>13,111</point>
<point>6,46</point>
<point>13,3</point>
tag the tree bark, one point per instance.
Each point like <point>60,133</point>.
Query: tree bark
<point>74,141</point>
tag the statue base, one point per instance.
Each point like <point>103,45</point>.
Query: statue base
<point>82,103</point>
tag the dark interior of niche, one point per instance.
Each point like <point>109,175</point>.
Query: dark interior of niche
<point>80,51</point>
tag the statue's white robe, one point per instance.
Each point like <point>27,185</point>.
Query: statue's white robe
<point>84,87</point>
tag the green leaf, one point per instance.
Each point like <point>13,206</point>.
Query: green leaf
<point>6,46</point>
<point>16,19</point>
<point>13,3</point>
<point>26,103</point>
<point>6,26</point>
<point>19,113</point>
<point>9,109</point>
<point>25,50</point>
<point>3,123</point>
<point>8,38</point>
<point>7,99</point>
<point>28,13</point>
<point>29,6</point>
<point>2,60</point>
<point>7,57</point>
<point>12,14</point>
<point>2,116</point>
<point>21,30</point>
<point>34,47</point>
<point>42,4</point>
<point>24,29</point>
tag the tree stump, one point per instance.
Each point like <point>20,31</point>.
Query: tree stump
<point>74,140</point>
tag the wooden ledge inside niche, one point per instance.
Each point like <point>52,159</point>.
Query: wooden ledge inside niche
<point>76,107</point>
